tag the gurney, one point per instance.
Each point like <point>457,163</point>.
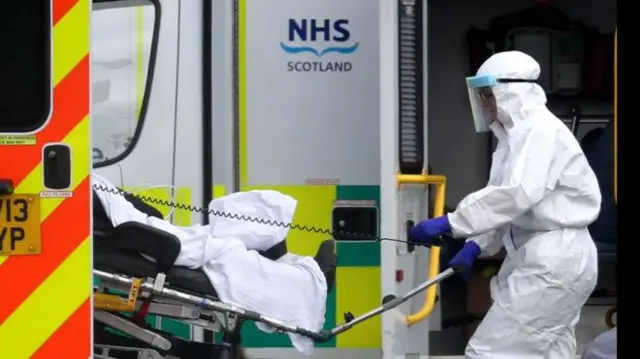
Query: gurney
<point>132,287</point>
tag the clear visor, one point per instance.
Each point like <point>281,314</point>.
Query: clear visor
<point>482,101</point>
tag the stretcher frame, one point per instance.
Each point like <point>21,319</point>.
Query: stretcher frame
<point>230,317</point>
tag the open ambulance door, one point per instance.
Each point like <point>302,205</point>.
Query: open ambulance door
<point>45,233</point>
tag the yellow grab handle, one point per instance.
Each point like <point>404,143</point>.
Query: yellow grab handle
<point>434,255</point>
<point>615,116</point>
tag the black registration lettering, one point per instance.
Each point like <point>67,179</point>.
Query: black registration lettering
<point>14,234</point>
<point>6,207</point>
<point>23,210</point>
<point>14,210</point>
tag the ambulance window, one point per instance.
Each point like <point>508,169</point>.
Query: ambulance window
<point>25,65</point>
<point>123,41</point>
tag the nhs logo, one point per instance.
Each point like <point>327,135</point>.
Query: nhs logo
<point>319,45</point>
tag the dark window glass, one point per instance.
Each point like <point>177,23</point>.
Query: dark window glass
<point>25,65</point>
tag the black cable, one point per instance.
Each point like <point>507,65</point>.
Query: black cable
<point>240,217</point>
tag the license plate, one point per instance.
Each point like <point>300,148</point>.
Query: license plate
<point>20,224</point>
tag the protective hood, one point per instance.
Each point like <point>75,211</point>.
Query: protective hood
<point>514,100</point>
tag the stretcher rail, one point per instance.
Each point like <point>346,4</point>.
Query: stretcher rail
<point>242,313</point>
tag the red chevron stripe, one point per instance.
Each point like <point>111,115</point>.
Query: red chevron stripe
<point>72,339</point>
<point>60,237</point>
<point>71,104</point>
<point>61,8</point>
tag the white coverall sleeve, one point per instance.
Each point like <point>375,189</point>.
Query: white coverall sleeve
<point>490,242</point>
<point>524,184</point>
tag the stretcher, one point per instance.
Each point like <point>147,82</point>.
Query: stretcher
<point>130,283</point>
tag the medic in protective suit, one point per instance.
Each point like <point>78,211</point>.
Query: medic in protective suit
<point>540,198</point>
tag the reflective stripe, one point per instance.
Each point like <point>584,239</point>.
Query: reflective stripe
<point>45,301</point>
<point>46,309</point>
<point>29,271</point>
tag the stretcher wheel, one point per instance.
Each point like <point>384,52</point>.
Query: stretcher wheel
<point>608,317</point>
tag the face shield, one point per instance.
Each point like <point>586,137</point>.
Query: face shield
<point>483,101</point>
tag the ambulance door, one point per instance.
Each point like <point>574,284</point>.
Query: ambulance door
<point>135,77</point>
<point>45,235</point>
<point>188,174</point>
<point>300,115</point>
<point>134,60</point>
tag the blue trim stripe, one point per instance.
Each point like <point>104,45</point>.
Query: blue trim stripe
<point>481,81</point>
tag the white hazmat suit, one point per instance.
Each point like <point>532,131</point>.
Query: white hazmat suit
<point>540,198</point>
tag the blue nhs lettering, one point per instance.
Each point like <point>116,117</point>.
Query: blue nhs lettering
<point>309,29</point>
<point>319,37</point>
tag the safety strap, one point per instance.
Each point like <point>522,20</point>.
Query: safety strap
<point>509,244</point>
<point>140,317</point>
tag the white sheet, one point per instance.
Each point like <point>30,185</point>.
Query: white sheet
<point>292,289</point>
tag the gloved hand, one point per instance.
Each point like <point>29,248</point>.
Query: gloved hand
<point>463,260</point>
<point>427,231</point>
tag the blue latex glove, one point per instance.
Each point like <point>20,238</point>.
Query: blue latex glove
<point>427,231</point>
<point>463,260</point>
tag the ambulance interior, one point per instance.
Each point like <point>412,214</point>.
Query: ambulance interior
<point>151,103</point>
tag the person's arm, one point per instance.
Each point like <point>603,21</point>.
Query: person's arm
<point>524,186</point>
<point>490,242</point>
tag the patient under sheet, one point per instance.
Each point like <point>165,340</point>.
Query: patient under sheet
<point>292,289</point>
